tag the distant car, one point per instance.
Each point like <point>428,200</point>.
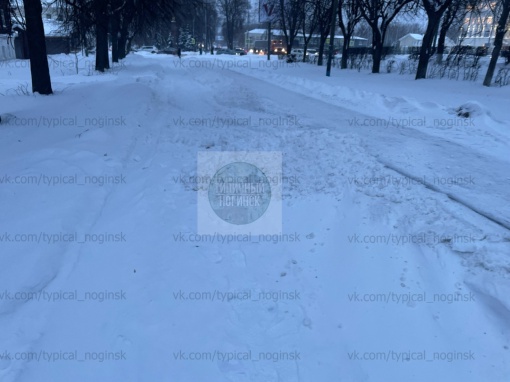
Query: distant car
<point>257,50</point>
<point>240,51</point>
<point>279,50</point>
<point>147,48</point>
<point>226,51</point>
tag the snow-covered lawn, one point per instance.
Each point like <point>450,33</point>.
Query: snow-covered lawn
<point>392,262</point>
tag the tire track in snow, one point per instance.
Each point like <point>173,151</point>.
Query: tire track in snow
<point>501,222</point>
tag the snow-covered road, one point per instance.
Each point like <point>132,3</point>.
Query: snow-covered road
<point>388,269</point>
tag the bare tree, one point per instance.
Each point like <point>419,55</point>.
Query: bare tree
<point>290,16</point>
<point>498,41</point>
<point>453,15</point>
<point>379,14</point>
<point>309,23</point>
<point>325,7</point>
<point>349,15</point>
<point>234,12</point>
<point>435,10</point>
<point>121,20</point>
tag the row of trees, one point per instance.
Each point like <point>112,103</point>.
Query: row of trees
<point>112,23</point>
<point>115,23</point>
<point>313,17</point>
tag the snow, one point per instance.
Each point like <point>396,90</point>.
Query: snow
<point>54,28</point>
<point>416,36</point>
<point>392,263</point>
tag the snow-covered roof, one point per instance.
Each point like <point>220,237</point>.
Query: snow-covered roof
<point>419,37</point>
<point>415,36</point>
<point>258,31</point>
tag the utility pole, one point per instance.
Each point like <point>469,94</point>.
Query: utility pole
<point>204,34</point>
<point>332,37</point>
<point>268,11</point>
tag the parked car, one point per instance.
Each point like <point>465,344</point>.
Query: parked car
<point>147,48</point>
<point>299,53</point>
<point>240,51</point>
<point>226,51</point>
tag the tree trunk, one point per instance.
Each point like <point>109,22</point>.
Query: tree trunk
<point>230,34</point>
<point>115,34</point>
<point>345,51</point>
<point>426,45</point>
<point>39,69</point>
<point>290,43</point>
<point>102,60</point>
<point>498,43</point>
<point>448,19</point>
<point>377,48</point>
<point>322,42</point>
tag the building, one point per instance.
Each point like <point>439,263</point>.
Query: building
<point>6,41</point>
<point>411,42</point>
<point>479,26</point>
<point>57,37</point>
<point>261,34</point>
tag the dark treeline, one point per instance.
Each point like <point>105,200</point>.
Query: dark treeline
<point>118,24</point>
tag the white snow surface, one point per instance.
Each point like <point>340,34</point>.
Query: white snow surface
<point>393,260</point>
